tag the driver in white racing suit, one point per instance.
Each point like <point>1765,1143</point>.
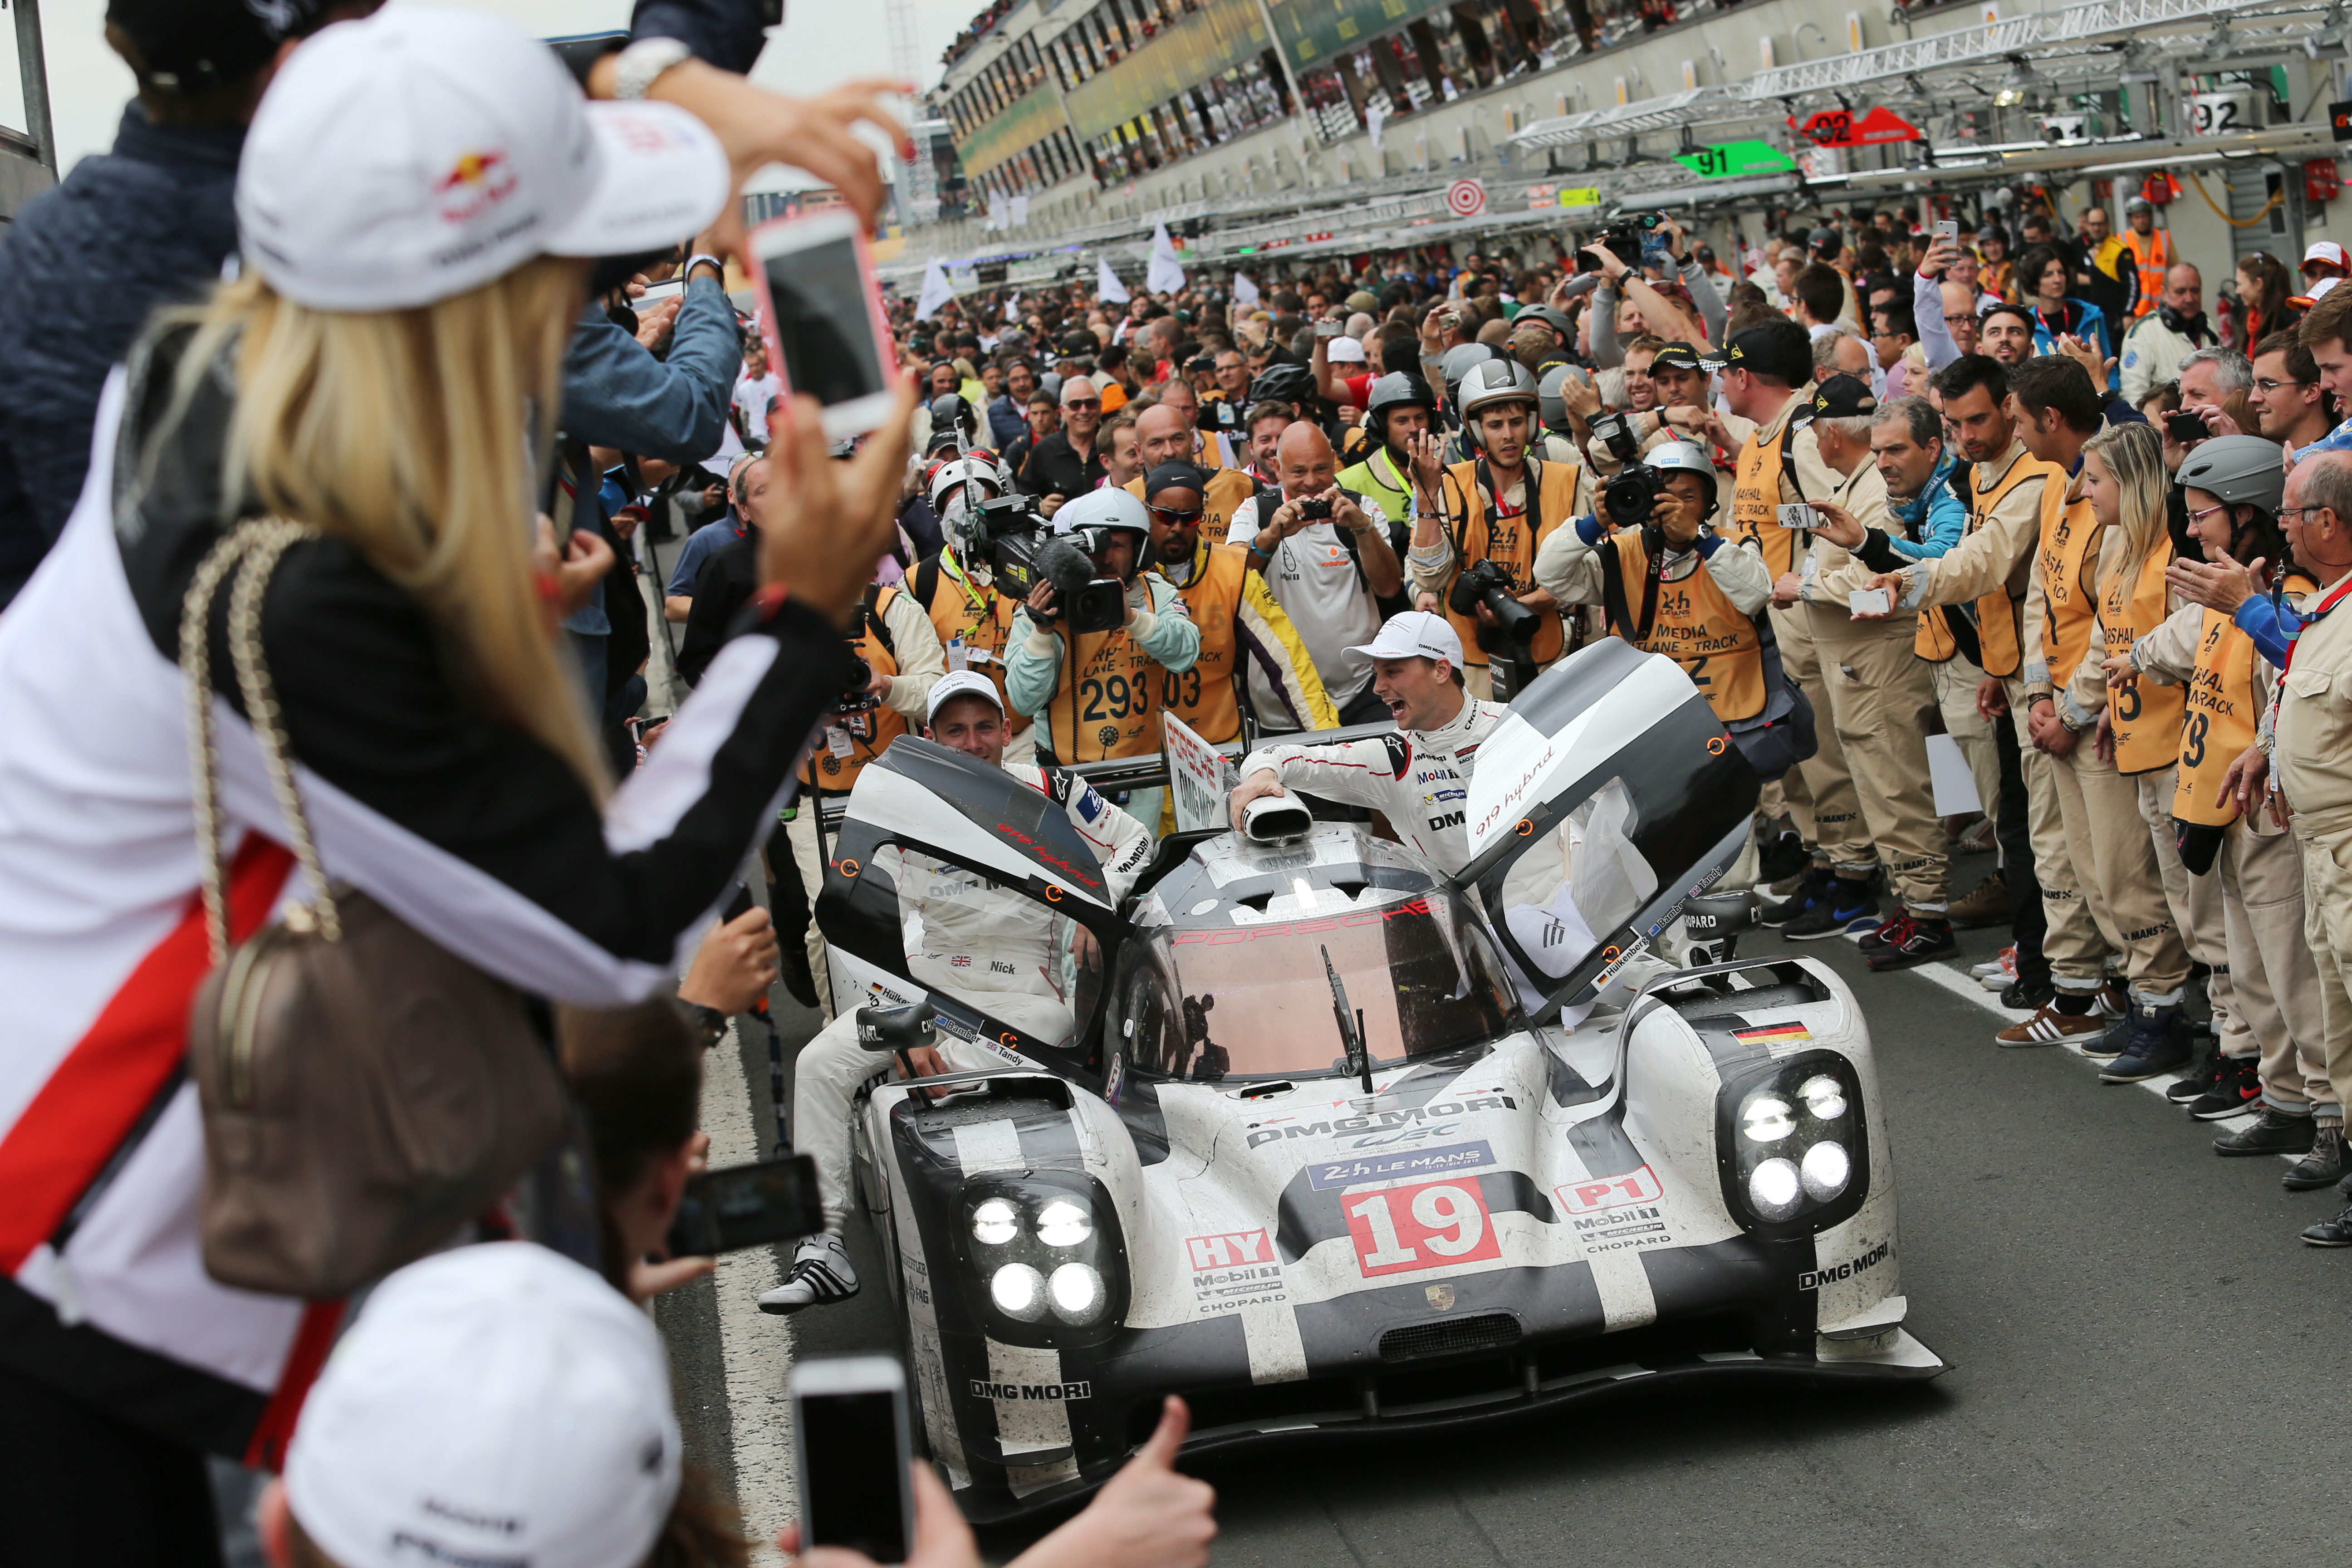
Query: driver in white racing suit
<point>1418,778</point>
<point>999,952</point>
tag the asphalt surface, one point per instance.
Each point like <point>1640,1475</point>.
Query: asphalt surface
<point>2146,1363</point>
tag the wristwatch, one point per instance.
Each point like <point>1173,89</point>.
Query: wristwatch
<point>643,61</point>
<point>700,258</point>
<point>710,1024</point>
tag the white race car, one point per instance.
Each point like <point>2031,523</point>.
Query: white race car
<point>1320,1148</point>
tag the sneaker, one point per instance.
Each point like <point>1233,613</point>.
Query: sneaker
<point>1986,904</point>
<point>1980,837</point>
<point>2114,1035</point>
<point>1779,913</point>
<point>821,1274</point>
<point>1998,974</point>
<point>2115,1001</point>
<point>1878,935</point>
<point>2023,998</point>
<point>1842,908</point>
<point>2193,1085</point>
<point>2272,1133</point>
<point>2048,1027</point>
<point>1783,858</point>
<point>2324,1166</point>
<point>2159,1042</point>
<point>2337,1232</point>
<point>2235,1089</point>
<point>1919,940</point>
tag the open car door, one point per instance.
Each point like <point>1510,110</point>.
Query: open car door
<point>955,880</point>
<point>1610,795</point>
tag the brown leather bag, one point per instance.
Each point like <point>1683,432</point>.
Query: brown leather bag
<point>365,1093</point>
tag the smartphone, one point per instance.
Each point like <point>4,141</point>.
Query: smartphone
<point>1867,602</point>
<point>1328,328</point>
<point>2186,428</point>
<point>1797,515</point>
<point>1949,229</point>
<point>826,329</point>
<point>849,1432</point>
<point>747,1205</point>
<point>657,292</point>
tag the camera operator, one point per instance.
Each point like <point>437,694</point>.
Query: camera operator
<point>1244,633</point>
<point>961,929</point>
<point>958,585</point>
<point>1418,778</point>
<point>747,479</point>
<point>1094,691</point>
<point>1332,560</point>
<point>1479,524</point>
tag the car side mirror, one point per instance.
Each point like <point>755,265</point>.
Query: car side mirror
<point>896,1028</point>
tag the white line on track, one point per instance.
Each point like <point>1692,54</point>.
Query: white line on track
<point>755,1348</point>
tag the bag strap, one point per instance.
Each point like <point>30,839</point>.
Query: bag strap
<point>253,548</point>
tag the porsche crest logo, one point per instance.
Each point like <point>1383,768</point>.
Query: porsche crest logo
<point>1440,1297</point>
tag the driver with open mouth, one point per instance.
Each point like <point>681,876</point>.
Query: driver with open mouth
<point>1418,778</point>
<point>997,951</point>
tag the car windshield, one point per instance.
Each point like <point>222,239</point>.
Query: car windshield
<point>1252,1000</point>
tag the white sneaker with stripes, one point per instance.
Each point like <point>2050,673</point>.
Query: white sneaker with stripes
<point>820,1276</point>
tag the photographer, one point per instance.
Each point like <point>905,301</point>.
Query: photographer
<point>1094,690</point>
<point>958,585</point>
<point>1331,560</point>
<point>959,929</point>
<point>1480,524</point>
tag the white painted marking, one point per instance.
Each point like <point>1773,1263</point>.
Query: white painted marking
<point>1626,1299</point>
<point>755,1348</point>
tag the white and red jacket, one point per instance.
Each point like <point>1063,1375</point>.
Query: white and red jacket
<point>461,824</point>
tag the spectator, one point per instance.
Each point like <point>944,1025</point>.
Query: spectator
<point>1066,463</point>
<point>2163,337</point>
<point>2290,405</point>
<point>2044,279</point>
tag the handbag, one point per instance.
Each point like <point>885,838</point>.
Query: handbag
<point>365,1092</point>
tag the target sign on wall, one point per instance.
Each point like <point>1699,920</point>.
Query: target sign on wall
<point>1466,198</point>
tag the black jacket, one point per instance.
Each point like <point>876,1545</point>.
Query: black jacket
<point>1055,468</point>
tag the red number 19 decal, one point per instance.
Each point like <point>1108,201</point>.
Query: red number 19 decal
<point>1430,1226</point>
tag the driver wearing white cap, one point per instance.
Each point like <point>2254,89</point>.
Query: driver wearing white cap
<point>1000,951</point>
<point>1418,778</point>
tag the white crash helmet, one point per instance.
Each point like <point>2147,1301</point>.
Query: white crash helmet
<point>1496,382</point>
<point>1101,512</point>
<point>1682,456</point>
<point>978,466</point>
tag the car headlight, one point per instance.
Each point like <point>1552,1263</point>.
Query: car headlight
<point>1792,1145</point>
<point>1045,1257</point>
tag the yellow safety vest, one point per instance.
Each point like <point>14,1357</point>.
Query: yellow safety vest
<point>1511,542</point>
<point>2147,716</point>
<point>1696,625</point>
<point>832,767</point>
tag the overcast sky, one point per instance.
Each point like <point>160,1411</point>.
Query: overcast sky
<point>823,42</point>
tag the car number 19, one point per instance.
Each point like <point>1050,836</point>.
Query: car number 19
<point>1434,1226</point>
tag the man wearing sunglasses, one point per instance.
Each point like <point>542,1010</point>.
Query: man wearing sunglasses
<point>1242,629</point>
<point>1066,463</point>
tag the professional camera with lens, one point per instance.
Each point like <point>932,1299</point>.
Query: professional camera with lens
<point>1083,596</point>
<point>1628,498</point>
<point>1509,643</point>
<point>854,696</point>
<point>1627,238</point>
<point>1006,533</point>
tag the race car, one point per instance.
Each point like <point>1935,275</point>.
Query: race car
<point>1330,1142</point>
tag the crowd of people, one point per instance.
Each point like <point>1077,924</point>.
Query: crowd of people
<point>287,663</point>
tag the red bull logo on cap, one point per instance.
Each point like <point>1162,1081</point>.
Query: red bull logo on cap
<point>477,182</point>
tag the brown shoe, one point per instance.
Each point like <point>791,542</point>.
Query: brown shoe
<point>1986,904</point>
<point>2049,1026</point>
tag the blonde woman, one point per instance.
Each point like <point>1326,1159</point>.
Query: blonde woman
<point>419,197</point>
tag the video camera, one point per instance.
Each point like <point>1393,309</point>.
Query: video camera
<point>1509,643</point>
<point>1023,551</point>
<point>1627,239</point>
<point>1628,499</point>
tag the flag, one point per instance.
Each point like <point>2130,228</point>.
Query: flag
<point>1165,274</point>
<point>936,291</point>
<point>1374,118</point>
<point>1020,212</point>
<point>1012,309</point>
<point>1244,292</point>
<point>1106,284</point>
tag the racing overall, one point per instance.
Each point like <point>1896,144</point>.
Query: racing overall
<point>964,605</point>
<point>1418,779</point>
<point>1000,951</point>
<point>1239,622</point>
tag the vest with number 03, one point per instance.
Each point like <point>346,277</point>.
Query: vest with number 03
<point>1695,624</point>
<point>1512,543</point>
<point>1994,621</point>
<point>2145,716</point>
<point>870,733</point>
<point>1202,697</point>
<point>2219,715</point>
<point>959,607</point>
<point>2070,597</point>
<point>1758,491</point>
<point>1108,703</point>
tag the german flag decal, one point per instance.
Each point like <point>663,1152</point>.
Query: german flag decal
<point>1771,1033</point>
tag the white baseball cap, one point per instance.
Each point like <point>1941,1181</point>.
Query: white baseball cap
<point>1414,634</point>
<point>960,683</point>
<point>1345,351</point>
<point>497,1403</point>
<point>423,152</point>
<point>2326,250</point>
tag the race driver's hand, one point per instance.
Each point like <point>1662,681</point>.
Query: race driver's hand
<point>1147,1516</point>
<point>1259,784</point>
<point>942,1540</point>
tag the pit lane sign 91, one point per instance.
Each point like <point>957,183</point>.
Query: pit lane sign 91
<point>1726,159</point>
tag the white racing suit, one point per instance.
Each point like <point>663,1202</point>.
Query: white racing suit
<point>1418,779</point>
<point>1000,951</point>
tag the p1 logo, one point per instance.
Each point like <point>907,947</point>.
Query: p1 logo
<point>1639,1185</point>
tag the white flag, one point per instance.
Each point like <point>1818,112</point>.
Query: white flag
<point>934,293</point>
<point>1374,118</point>
<point>1106,284</point>
<point>1165,275</point>
<point>1020,212</point>
<point>1244,292</point>
<point>1012,309</point>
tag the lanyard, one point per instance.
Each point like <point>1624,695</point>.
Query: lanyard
<point>2316,613</point>
<point>948,564</point>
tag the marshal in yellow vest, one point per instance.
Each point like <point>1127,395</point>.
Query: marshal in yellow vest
<point>2145,717</point>
<point>2219,716</point>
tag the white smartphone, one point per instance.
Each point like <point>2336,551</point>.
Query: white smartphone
<point>851,1437</point>
<point>657,292</point>
<point>829,337</point>
<point>1948,229</point>
<point>1867,602</point>
<point>1329,329</point>
<point>1797,515</point>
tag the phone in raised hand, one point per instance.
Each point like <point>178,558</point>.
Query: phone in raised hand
<point>824,317</point>
<point>1797,514</point>
<point>1948,230</point>
<point>851,1436</point>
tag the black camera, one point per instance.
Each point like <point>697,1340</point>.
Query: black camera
<point>1083,596</point>
<point>1006,531</point>
<point>2186,429</point>
<point>1509,643</point>
<point>1628,498</point>
<point>1616,433</point>
<point>1316,511</point>
<point>1624,240</point>
<point>854,696</point>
